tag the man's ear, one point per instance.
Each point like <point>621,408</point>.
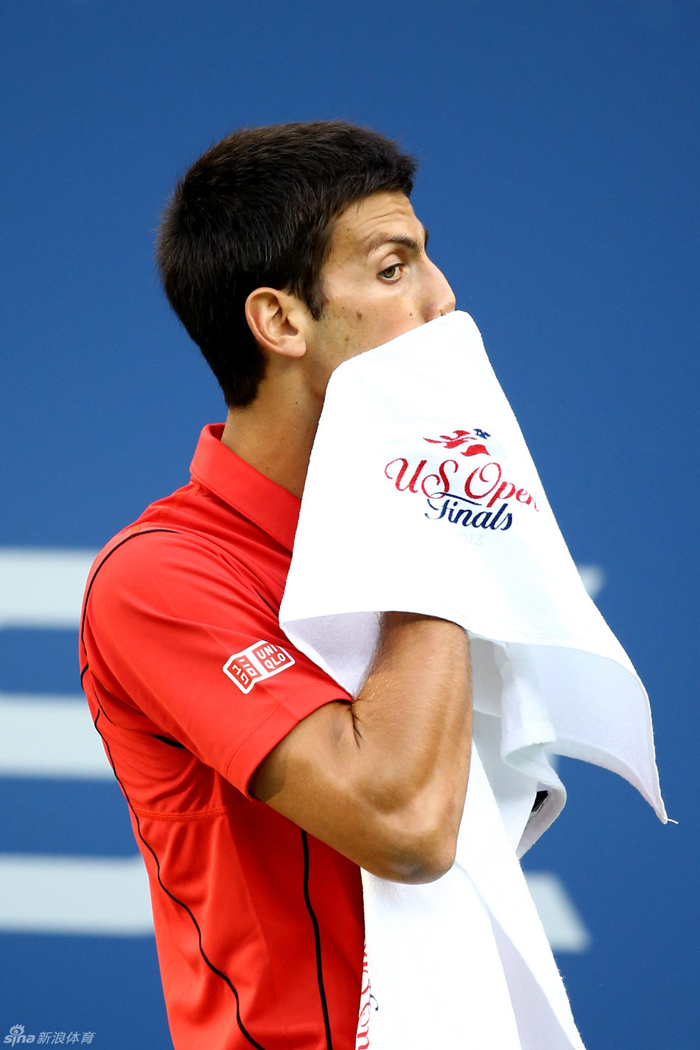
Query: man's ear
<point>276,320</point>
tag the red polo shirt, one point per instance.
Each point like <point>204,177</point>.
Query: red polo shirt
<point>191,683</point>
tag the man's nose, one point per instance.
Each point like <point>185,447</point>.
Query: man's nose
<point>440,298</point>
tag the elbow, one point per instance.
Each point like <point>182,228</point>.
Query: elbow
<point>414,855</point>
<point>410,832</point>
<point>420,869</point>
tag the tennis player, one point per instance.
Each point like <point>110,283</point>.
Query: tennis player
<point>257,787</point>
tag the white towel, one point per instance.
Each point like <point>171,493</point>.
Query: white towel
<point>422,496</point>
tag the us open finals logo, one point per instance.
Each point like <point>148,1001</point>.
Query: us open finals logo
<point>484,504</point>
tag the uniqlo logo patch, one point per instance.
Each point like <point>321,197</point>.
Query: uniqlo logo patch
<point>258,661</point>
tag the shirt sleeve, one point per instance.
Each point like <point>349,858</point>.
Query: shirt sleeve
<point>178,630</point>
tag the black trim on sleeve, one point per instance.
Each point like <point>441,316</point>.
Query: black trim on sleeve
<point>272,609</point>
<point>168,740</point>
<point>317,941</point>
<point>210,964</point>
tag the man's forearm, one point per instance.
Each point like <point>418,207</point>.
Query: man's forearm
<point>383,780</point>
<point>413,723</point>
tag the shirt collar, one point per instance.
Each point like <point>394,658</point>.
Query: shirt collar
<point>217,468</point>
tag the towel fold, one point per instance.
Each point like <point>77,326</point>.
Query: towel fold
<point>421,496</point>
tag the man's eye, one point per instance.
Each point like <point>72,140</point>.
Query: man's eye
<point>391,272</point>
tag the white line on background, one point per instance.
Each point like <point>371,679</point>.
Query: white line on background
<point>42,587</point>
<point>109,897</point>
<point>99,896</point>
<point>50,736</point>
<point>562,923</point>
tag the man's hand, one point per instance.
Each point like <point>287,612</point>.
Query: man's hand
<point>383,780</point>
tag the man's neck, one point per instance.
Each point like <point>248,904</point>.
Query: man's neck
<point>275,434</point>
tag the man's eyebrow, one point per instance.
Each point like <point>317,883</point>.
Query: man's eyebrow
<point>406,242</point>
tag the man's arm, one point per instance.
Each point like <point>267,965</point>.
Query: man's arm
<point>383,780</point>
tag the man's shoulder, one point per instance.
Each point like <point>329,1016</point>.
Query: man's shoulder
<point>165,559</point>
<point>152,557</point>
<point>156,522</point>
<point>168,534</point>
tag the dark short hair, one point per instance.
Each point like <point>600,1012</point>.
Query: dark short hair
<point>257,209</point>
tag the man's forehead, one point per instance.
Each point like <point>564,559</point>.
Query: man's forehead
<point>368,222</point>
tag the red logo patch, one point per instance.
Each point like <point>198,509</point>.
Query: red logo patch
<point>260,660</point>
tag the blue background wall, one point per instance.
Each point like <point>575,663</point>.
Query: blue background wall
<point>559,147</point>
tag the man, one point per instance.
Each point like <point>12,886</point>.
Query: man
<point>257,786</point>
